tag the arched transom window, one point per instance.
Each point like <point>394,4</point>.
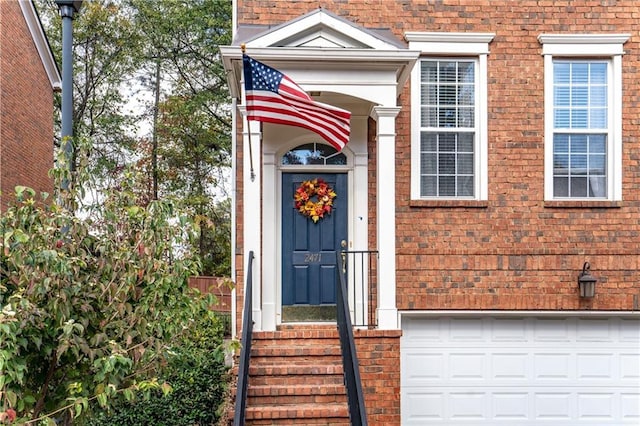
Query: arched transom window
<point>313,154</point>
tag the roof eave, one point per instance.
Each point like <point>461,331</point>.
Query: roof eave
<point>402,59</point>
<point>42,44</point>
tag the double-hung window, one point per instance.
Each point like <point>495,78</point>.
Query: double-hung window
<point>449,116</point>
<point>447,127</point>
<point>583,116</point>
<point>580,128</point>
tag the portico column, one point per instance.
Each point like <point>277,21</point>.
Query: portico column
<point>252,209</point>
<point>270,213</point>
<point>386,214</point>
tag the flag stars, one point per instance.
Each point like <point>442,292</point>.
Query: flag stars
<point>265,78</point>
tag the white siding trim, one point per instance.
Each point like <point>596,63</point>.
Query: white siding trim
<point>41,44</point>
<point>471,44</point>
<point>583,44</point>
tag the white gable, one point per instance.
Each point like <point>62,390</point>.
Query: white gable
<point>326,53</point>
<point>320,29</point>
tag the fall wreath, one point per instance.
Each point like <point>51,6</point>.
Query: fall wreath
<point>314,199</point>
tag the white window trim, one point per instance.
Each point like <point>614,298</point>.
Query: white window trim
<point>600,46</point>
<point>454,45</point>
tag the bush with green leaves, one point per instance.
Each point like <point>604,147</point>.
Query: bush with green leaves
<point>90,305</point>
<point>199,379</point>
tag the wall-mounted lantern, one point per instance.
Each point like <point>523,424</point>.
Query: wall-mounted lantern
<point>586,281</point>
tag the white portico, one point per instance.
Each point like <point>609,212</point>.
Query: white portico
<point>340,64</point>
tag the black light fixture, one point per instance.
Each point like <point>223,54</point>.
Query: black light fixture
<point>586,281</point>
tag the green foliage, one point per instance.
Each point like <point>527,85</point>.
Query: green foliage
<point>90,305</point>
<point>198,377</point>
<point>215,241</point>
<point>106,46</point>
<point>127,51</point>
<point>193,131</point>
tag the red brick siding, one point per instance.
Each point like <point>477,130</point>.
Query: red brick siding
<point>26,108</point>
<point>379,357</point>
<point>515,252</point>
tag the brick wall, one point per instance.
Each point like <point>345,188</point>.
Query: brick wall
<point>514,252</point>
<point>379,358</point>
<point>26,108</point>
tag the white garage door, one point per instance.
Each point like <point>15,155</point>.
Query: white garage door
<point>520,371</point>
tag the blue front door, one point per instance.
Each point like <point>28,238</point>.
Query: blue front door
<point>309,249</point>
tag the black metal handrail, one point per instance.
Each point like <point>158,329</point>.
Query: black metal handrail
<point>245,350</point>
<point>355,397</point>
<point>360,267</point>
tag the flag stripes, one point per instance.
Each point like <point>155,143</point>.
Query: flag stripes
<point>274,98</point>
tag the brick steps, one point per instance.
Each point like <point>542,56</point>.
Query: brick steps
<point>293,369</point>
<point>302,413</point>
<point>296,377</point>
<point>300,393</point>
<point>294,351</point>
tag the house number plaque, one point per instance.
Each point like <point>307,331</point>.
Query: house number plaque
<point>313,257</point>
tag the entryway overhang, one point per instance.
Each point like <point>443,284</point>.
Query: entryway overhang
<point>345,65</point>
<point>353,72</point>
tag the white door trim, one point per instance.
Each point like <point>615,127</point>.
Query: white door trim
<point>277,140</point>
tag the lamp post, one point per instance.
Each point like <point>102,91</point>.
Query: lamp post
<point>67,9</point>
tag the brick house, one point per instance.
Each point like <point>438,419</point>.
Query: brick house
<point>28,78</point>
<point>492,160</point>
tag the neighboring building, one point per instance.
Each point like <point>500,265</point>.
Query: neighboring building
<point>28,78</point>
<point>493,152</point>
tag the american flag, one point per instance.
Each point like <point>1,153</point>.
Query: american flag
<point>274,98</point>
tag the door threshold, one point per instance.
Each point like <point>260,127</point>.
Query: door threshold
<point>309,313</point>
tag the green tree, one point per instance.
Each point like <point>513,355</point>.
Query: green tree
<point>167,49</point>
<point>90,306</point>
<point>106,44</point>
<point>191,140</point>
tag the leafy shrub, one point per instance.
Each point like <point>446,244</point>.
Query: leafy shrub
<point>198,376</point>
<point>89,306</point>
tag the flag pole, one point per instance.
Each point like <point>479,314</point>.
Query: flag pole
<point>251,172</point>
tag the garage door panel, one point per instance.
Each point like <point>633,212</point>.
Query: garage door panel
<point>630,406</point>
<point>509,330</point>
<point>425,406</point>
<point>596,406</point>
<point>468,405</point>
<point>552,366</point>
<point>551,330</point>
<point>466,330</point>
<point>630,367</point>
<point>510,405</point>
<point>554,405</point>
<point>467,366</point>
<point>595,366</point>
<point>510,367</point>
<point>521,372</point>
<point>629,331</point>
<point>422,367</point>
<point>423,333</point>
<point>595,330</point>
